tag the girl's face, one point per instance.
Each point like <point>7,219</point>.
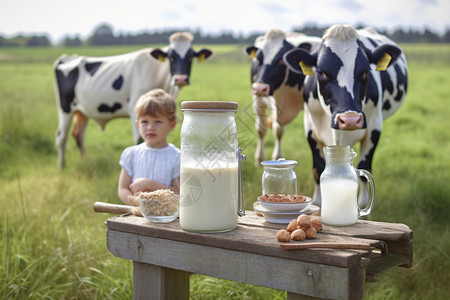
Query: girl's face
<point>154,130</point>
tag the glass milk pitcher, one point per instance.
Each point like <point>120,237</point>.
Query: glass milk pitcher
<point>211,177</point>
<point>339,187</point>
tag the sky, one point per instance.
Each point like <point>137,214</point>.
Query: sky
<point>61,18</point>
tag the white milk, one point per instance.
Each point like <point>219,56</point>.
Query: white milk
<point>209,199</point>
<point>339,205</point>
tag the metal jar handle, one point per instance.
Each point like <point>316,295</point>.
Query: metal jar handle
<point>241,157</point>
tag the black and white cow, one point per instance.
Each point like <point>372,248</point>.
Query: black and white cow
<point>104,88</point>
<point>359,79</point>
<point>274,86</point>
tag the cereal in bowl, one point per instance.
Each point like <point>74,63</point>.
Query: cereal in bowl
<point>159,203</point>
<point>282,198</point>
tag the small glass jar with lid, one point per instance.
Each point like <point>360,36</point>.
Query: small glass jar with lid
<point>279,177</point>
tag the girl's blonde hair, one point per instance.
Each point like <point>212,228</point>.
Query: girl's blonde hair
<point>154,103</point>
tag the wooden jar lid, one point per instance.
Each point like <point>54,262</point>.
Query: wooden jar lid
<point>209,105</point>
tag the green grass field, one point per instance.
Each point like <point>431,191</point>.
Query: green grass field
<point>52,244</point>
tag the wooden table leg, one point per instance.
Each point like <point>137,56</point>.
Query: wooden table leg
<point>155,282</point>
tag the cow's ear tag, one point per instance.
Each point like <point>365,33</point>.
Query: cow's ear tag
<point>161,58</point>
<point>383,62</point>
<point>201,57</point>
<point>253,53</point>
<point>307,70</point>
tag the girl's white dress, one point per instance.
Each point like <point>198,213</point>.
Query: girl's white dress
<point>159,164</point>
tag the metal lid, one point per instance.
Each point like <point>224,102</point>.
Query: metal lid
<point>280,163</point>
<point>209,105</point>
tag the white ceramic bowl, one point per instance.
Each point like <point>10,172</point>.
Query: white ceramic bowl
<point>283,217</point>
<point>285,207</point>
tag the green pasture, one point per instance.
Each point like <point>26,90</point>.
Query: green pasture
<point>53,246</point>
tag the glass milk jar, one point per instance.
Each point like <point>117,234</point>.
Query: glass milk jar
<point>210,187</point>
<point>279,177</point>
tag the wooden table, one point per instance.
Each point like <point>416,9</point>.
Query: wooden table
<point>164,256</point>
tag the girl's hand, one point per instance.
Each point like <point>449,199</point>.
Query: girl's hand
<point>143,185</point>
<point>133,200</point>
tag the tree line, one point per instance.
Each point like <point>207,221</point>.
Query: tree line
<point>104,35</point>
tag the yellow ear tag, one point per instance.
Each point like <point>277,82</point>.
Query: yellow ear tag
<point>161,58</point>
<point>307,70</point>
<point>253,54</point>
<point>384,62</point>
<point>201,57</point>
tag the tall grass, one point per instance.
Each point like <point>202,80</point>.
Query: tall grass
<point>53,244</point>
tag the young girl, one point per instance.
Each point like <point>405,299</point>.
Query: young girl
<point>155,163</point>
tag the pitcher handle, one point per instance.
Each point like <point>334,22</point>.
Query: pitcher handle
<point>241,210</point>
<point>371,183</point>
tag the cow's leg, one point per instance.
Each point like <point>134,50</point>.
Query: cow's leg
<point>261,127</point>
<point>65,120</point>
<point>79,131</point>
<point>318,165</point>
<point>136,135</point>
<point>173,89</point>
<point>277,130</point>
<point>367,150</point>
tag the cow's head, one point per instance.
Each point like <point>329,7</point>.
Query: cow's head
<point>342,68</point>
<point>268,68</point>
<point>180,55</point>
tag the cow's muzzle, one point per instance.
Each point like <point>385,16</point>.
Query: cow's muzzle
<point>260,89</point>
<point>350,121</point>
<point>181,80</point>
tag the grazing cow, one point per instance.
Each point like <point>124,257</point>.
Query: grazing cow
<point>359,79</point>
<point>274,86</point>
<point>104,88</point>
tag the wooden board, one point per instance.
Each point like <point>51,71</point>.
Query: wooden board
<point>364,229</point>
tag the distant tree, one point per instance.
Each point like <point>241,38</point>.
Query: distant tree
<point>71,42</point>
<point>103,35</point>
<point>18,40</point>
<point>400,36</point>
<point>4,42</point>
<point>143,38</point>
<point>226,38</point>
<point>430,37</point>
<point>310,29</point>
<point>446,37</point>
<point>38,41</point>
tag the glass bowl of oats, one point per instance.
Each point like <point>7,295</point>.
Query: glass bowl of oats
<point>160,206</point>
